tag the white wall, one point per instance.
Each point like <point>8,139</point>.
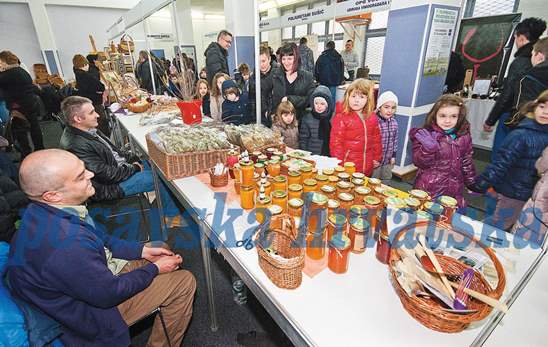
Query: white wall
<point>162,25</point>
<point>18,34</point>
<point>205,32</point>
<point>533,8</point>
<point>71,26</point>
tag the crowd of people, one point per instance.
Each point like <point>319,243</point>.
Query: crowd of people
<point>117,282</point>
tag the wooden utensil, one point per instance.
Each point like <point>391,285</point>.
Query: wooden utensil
<point>437,266</point>
<point>483,298</point>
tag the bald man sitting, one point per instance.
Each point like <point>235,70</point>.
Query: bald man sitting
<point>93,284</point>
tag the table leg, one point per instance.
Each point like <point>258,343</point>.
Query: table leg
<point>206,258</point>
<point>163,229</point>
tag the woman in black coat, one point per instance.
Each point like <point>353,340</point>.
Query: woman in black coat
<point>291,83</point>
<point>21,94</point>
<point>142,72</point>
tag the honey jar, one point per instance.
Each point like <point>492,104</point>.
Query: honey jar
<point>413,204</point>
<point>279,197</point>
<point>332,180</point>
<point>255,156</point>
<point>358,175</point>
<point>343,187</point>
<point>329,191</point>
<point>373,183</point>
<point>360,193</point>
<point>293,177</point>
<point>358,231</point>
<point>357,182</point>
<point>261,206</point>
<point>379,192</point>
<point>383,249</point>
<point>259,168</point>
<point>421,195</point>
<point>306,172</point>
<point>267,187</point>
<point>434,210</point>
<point>336,224</point>
<point>262,159</point>
<point>392,204</point>
<point>333,207</point>
<point>270,152</point>
<point>273,167</point>
<point>295,191</point>
<point>322,180</point>
<point>328,172</point>
<point>279,183</point>
<point>349,167</point>
<point>316,236</point>
<point>339,249</point>
<point>247,172</point>
<point>346,200</point>
<point>343,176</point>
<point>449,206</point>
<point>276,158</point>
<point>373,205</point>
<point>247,194</point>
<point>310,185</point>
<point>295,207</point>
<point>339,169</point>
<point>389,193</point>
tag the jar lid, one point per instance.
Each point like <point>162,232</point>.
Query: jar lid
<point>328,189</point>
<point>433,208</point>
<point>412,202</point>
<point>394,202</point>
<point>259,165</point>
<point>371,200</point>
<point>321,178</point>
<point>346,197</point>
<point>279,194</point>
<point>271,149</point>
<point>337,219</point>
<point>280,179</point>
<point>358,181</point>
<point>359,210</point>
<point>423,215</point>
<point>332,204</point>
<point>318,198</point>
<point>379,190</point>
<point>333,179</point>
<point>339,168</point>
<point>374,181</point>
<point>420,194</point>
<point>295,187</point>
<point>344,176</point>
<point>343,184</point>
<point>362,190</point>
<point>328,172</point>
<point>447,201</point>
<point>257,153</point>
<point>294,173</point>
<point>306,168</point>
<point>264,201</point>
<point>340,241</point>
<point>360,224</point>
<point>246,163</point>
<point>349,164</point>
<point>262,157</point>
<point>358,175</point>
<point>273,162</point>
<point>276,157</point>
<point>310,182</point>
<point>296,203</point>
<point>390,193</point>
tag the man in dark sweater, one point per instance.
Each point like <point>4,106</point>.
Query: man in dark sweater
<point>216,55</point>
<point>93,284</point>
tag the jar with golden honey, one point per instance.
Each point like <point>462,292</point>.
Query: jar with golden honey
<point>343,187</point>
<point>295,191</point>
<point>328,172</point>
<point>434,210</point>
<point>373,205</point>
<point>413,204</point>
<point>237,186</point>
<point>262,159</point>
<point>373,183</point>
<point>261,205</point>
<point>322,180</point>
<point>358,175</point>
<point>379,192</point>
<point>295,207</point>
<point>383,249</point>
<point>358,211</point>
<point>306,172</point>
<point>259,168</point>
<point>357,182</point>
<point>332,180</point>
<point>317,217</point>
<point>275,210</point>
<point>267,187</point>
<point>336,224</point>
<point>310,185</point>
<point>279,197</point>
<point>343,176</point>
<point>389,193</point>
<point>360,193</point>
<point>393,204</point>
<point>247,194</point>
<point>449,206</point>
<point>339,169</point>
<point>273,168</point>
<point>346,200</point>
<point>339,250</point>
<point>247,172</point>
<point>421,195</point>
<point>333,207</point>
<point>349,167</point>
<point>276,158</point>
<point>329,191</point>
<point>279,183</point>
<point>293,177</point>
<point>358,232</point>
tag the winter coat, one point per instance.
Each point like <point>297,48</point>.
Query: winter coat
<point>303,87</point>
<point>311,138</point>
<point>355,140</point>
<point>329,70</point>
<point>389,137</point>
<point>89,87</point>
<point>16,86</point>
<point>216,107</point>
<point>266,95</point>
<point>307,58</point>
<point>206,111</point>
<point>142,73</point>
<point>455,73</point>
<point>12,199</point>
<point>216,60</point>
<point>447,170</point>
<point>98,158</point>
<point>531,85</point>
<point>533,220</point>
<point>289,133</point>
<point>234,112</point>
<point>517,69</point>
<point>513,172</point>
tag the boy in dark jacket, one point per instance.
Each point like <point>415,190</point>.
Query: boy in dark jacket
<point>235,105</point>
<point>329,70</point>
<point>315,125</point>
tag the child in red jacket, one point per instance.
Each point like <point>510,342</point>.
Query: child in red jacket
<point>355,134</point>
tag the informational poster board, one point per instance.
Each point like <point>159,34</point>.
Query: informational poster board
<point>440,40</point>
<point>485,43</point>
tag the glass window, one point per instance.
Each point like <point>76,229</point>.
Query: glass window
<point>493,7</point>
<point>287,33</point>
<point>318,28</point>
<point>379,20</point>
<point>264,36</point>
<point>301,30</point>
<point>373,54</point>
<point>339,45</point>
<point>338,28</point>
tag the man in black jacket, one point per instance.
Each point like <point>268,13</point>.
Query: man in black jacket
<point>266,66</point>
<point>216,55</point>
<point>117,173</point>
<point>329,70</point>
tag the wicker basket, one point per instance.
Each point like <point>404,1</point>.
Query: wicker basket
<point>429,312</point>
<point>139,109</point>
<point>284,272</point>
<point>175,166</point>
<point>218,181</point>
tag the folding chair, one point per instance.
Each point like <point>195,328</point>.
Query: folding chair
<point>159,312</point>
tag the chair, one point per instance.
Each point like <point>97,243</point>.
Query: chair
<point>159,312</point>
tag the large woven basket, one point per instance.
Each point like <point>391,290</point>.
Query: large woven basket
<point>429,312</point>
<point>284,271</point>
<point>180,165</point>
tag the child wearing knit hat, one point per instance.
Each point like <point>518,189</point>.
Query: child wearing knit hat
<point>388,125</point>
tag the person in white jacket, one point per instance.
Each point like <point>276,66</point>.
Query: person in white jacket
<point>351,60</point>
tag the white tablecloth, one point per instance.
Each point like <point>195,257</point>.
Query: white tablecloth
<point>478,110</point>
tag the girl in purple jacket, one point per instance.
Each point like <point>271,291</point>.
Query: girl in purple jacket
<point>442,150</point>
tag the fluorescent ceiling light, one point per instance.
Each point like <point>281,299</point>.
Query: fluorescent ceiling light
<point>214,16</point>
<point>197,14</point>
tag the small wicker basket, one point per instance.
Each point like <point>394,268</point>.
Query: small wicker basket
<point>218,181</point>
<point>285,268</point>
<point>430,313</point>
